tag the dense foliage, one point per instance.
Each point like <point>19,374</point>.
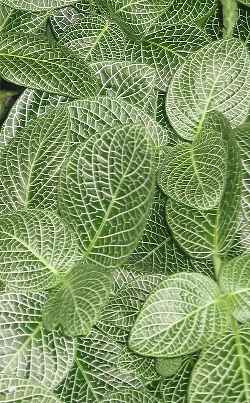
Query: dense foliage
<point>125,202</point>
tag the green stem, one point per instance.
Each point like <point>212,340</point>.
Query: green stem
<point>217,265</point>
<point>230,17</point>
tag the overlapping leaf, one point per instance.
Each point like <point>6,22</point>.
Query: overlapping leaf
<point>31,61</point>
<point>222,373</point>
<point>182,315</point>
<point>36,248</point>
<point>203,233</point>
<point>96,371</point>
<point>167,367</point>
<point>106,191</point>
<point>37,5</point>
<point>195,174</point>
<point>17,21</point>
<point>27,350</point>
<point>31,163</point>
<point>202,85</point>
<point>14,390</point>
<point>77,304</point>
<point>129,396</point>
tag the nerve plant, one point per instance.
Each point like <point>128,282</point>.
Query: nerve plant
<point>124,195</point>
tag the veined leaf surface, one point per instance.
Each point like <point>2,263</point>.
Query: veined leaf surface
<point>31,163</point>
<point>129,396</point>
<point>202,85</point>
<point>31,61</point>
<point>37,5</point>
<point>37,247</point>
<point>106,192</point>
<point>77,304</point>
<point>27,350</point>
<point>222,373</point>
<point>15,390</point>
<point>185,313</point>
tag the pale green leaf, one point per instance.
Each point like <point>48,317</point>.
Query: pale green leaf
<point>167,367</point>
<point>77,304</point>
<point>30,105</point>
<point>242,28</point>
<point>17,390</point>
<point>182,315</point>
<point>26,349</point>
<point>96,371</point>
<point>222,374</point>
<point>106,192</point>
<point>31,163</point>
<point>31,61</point>
<point>204,233</point>
<point>129,396</point>
<point>102,113</point>
<point>37,247</point>
<point>235,280</point>
<point>119,315</point>
<point>216,77</point>
<point>194,174</point>
<point>245,2</point>
<point>37,5</point>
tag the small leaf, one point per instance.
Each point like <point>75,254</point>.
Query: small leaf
<point>194,174</point>
<point>203,84</point>
<point>37,248</point>
<point>167,367</point>
<point>31,61</point>
<point>31,163</point>
<point>78,302</point>
<point>235,279</point>
<point>106,192</point>
<point>37,5</point>
<point>16,390</point>
<point>185,313</point>
<point>222,372</point>
<point>26,349</point>
<point>205,233</point>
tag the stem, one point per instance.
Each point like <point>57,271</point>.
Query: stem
<point>230,17</point>
<point>217,265</point>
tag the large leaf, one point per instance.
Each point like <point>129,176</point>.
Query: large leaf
<point>222,374</point>
<point>26,349</point>
<point>194,174</point>
<point>182,315</point>
<point>106,191</point>
<point>17,21</point>
<point>242,135</point>
<point>204,233</point>
<point>31,163</point>
<point>96,371</point>
<point>31,61</point>
<point>235,279</point>
<point>77,305</point>
<point>37,5</point>
<point>101,113</point>
<point>203,84</point>
<point>37,248</point>
<point>16,390</point>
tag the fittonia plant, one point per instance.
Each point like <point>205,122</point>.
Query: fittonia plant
<point>125,202</point>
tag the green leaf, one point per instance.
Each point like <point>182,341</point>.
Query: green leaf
<point>182,315</point>
<point>194,174</point>
<point>245,2</point>
<point>222,372</point>
<point>94,115</point>
<point>96,371</point>
<point>205,233</point>
<point>27,350</point>
<point>13,390</point>
<point>202,84</point>
<point>30,105</point>
<point>129,396</point>
<point>187,11</point>
<point>31,61</point>
<point>119,315</point>
<point>235,279</point>
<point>18,21</point>
<point>37,5</point>
<point>106,192</point>
<point>31,163</point>
<point>167,367</point>
<point>242,27</point>
<point>77,304</point>
<point>37,248</point>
